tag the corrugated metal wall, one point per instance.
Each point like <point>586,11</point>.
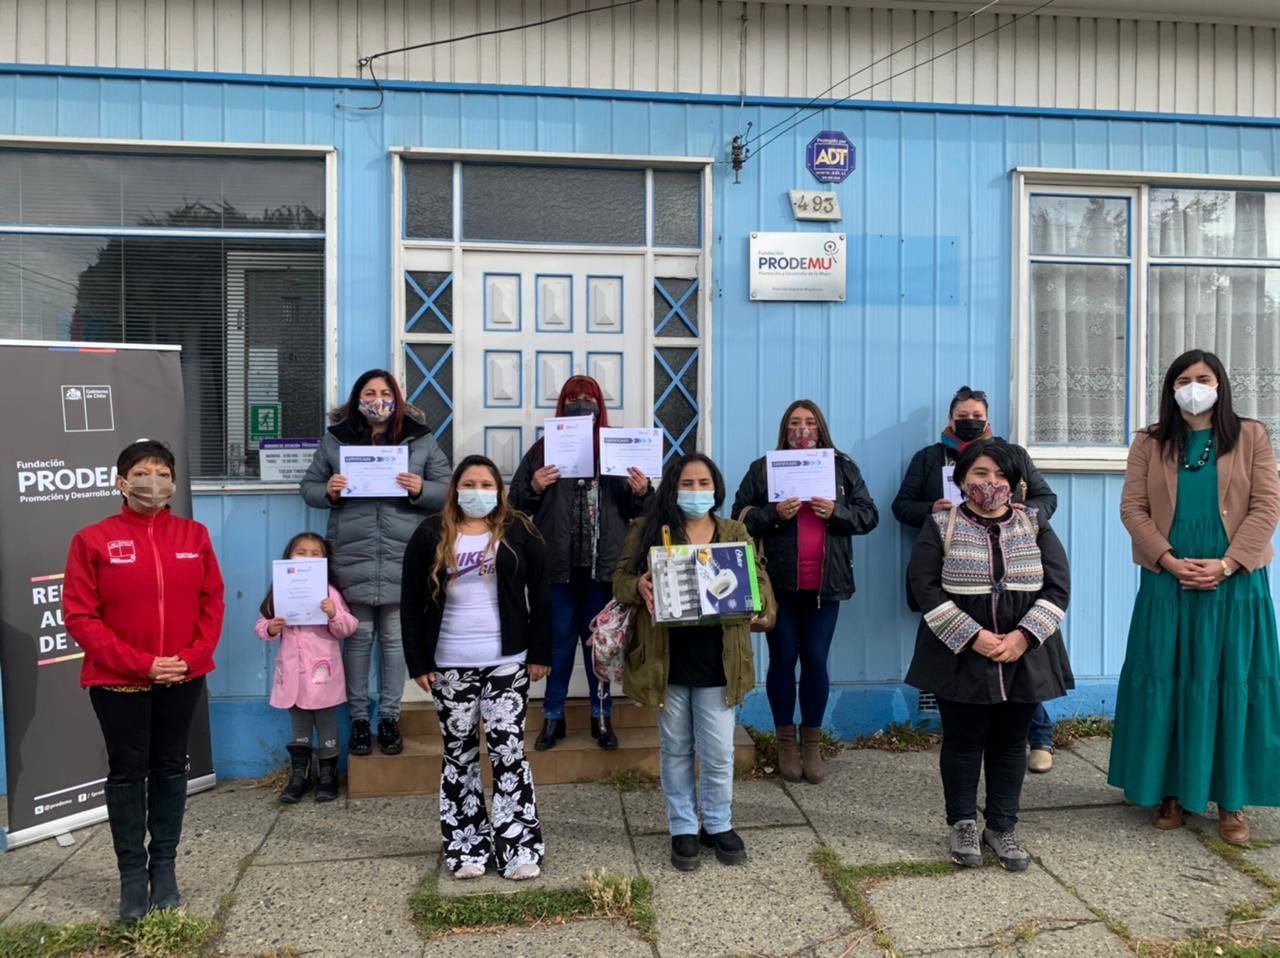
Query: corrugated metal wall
<point>928,219</point>
<point>676,45</point>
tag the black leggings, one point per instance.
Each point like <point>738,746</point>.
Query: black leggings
<point>992,734</point>
<point>146,732</point>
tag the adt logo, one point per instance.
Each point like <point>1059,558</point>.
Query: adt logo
<point>830,157</point>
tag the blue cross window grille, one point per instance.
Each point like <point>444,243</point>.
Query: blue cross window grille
<point>675,308</point>
<point>675,402</point>
<point>428,302</point>
<point>428,380</point>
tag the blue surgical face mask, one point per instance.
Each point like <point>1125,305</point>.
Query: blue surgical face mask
<point>695,505</point>
<point>477,503</point>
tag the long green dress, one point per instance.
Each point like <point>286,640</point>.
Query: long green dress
<point>1198,708</point>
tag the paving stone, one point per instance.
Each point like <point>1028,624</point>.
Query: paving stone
<point>10,897</point>
<point>581,939</point>
<point>776,904</point>
<point>1073,781</point>
<point>367,828</point>
<point>1092,939</point>
<point>1268,859</point>
<point>1096,751</point>
<point>327,911</point>
<point>1161,884</point>
<point>583,829</point>
<point>31,863</point>
<point>922,915</point>
<point>757,803</point>
<point>858,943</point>
<point>1264,823</point>
<point>877,807</point>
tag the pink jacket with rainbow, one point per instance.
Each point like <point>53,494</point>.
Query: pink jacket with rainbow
<point>309,664</point>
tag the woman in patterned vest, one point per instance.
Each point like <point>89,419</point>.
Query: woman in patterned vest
<point>993,584</point>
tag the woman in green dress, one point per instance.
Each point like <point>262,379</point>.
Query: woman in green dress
<point>1198,708</point>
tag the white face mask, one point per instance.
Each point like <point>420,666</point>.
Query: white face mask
<point>1196,398</point>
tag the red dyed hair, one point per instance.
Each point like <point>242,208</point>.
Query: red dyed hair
<point>585,386</point>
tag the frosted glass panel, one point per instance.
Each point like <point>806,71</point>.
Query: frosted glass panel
<point>677,202</point>
<point>553,204</point>
<point>1079,226</point>
<point>1078,328</point>
<point>428,195</point>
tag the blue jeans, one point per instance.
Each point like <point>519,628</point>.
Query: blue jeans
<point>573,605</point>
<point>358,649</point>
<point>697,719</point>
<point>802,634</point>
<point>1041,734</point>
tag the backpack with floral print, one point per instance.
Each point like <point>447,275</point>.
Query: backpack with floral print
<point>611,632</point>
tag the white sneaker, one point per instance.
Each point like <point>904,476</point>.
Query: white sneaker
<point>524,872</point>
<point>469,872</point>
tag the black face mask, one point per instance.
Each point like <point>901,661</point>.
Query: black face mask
<point>967,430</point>
<point>581,407</point>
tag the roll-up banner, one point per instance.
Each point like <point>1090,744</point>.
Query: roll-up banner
<point>72,408</point>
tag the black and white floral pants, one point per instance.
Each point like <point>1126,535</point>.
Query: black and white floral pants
<point>511,836</point>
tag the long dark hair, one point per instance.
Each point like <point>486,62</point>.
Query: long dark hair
<point>268,606</point>
<point>352,414</point>
<point>664,510</point>
<point>824,432</point>
<point>1171,431</point>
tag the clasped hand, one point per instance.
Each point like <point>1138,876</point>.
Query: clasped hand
<point>167,669</point>
<point>1201,575</point>
<point>1001,648</point>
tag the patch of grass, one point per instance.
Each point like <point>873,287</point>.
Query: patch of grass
<point>631,780</point>
<point>900,737</point>
<point>767,750</point>
<point>1114,925</point>
<point>1069,731</point>
<point>602,896</point>
<point>1244,911</point>
<point>161,934</point>
<point>1026,931</point>
<point>1234,856</point>
<point>851,882</point>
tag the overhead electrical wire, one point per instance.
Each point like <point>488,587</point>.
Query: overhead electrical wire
<point>893,76</point>
<point>369,60</point>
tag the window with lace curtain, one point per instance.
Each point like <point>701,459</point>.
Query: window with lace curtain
<point>1115,281</point>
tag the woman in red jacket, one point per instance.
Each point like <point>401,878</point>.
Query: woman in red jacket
<point>142,597</point>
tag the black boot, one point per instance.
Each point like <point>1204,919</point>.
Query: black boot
<point>300,775</point>
<point>552,729</point>
<point>602,732</point>
<point>327,790</point>
<point>389,739</point>
<point>127,815</point>
<point>361,743</point>
<point>166,805</point>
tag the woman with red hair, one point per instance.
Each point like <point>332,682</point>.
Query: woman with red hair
<point>584,522</point>
<point>367,538</point>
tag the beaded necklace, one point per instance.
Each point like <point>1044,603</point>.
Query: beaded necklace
<point>1204,457</point>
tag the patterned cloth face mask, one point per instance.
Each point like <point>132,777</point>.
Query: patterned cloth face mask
<point>988,496</point>
<point>377,410</point>
<point>802,437</point>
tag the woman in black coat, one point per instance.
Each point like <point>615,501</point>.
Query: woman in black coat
<point>993,584</point>
<point>809,550</point>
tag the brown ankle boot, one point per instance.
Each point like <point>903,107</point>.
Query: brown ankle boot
<point>789,754</point>
<point>1169,816</point>
<point>1233,828</point>
<point>811,755</point>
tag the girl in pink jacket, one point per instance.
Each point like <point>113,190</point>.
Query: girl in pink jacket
<point>309,680</point>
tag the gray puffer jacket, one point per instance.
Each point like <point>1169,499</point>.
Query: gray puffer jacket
<point>367,537</point>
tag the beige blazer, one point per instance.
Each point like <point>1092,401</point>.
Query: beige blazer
<point>1248,498</point>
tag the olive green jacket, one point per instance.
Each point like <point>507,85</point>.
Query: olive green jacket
<point>645,678</point>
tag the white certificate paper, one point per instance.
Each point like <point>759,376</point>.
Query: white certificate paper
<point>298,586</point>
<point>803,474</point>
<point>371,470</point>
<point>569,445</point>
<point>950,491</point>
<point>624,448</point>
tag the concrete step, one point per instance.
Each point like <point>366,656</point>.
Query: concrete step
<point>576,758</point>
<point>419,718</point>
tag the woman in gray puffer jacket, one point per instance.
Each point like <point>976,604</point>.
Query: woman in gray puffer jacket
<point>367,538</point>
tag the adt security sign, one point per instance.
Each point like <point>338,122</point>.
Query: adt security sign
<point>830,157</point>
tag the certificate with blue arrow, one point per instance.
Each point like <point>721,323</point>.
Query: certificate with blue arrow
<point>621,449</point>
<point>802,474</point>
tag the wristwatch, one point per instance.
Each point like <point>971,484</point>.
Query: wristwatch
<point>1226,569</point>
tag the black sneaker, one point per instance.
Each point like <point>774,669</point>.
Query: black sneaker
<point>360,743</point>
<point>730,849</point>
<point>686,856</point>
<point>389,739</point>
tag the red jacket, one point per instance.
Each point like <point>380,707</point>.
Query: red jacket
<point>140,587</point>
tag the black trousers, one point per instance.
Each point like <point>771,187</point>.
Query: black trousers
<point>990,735</point>
<point>146,732</point>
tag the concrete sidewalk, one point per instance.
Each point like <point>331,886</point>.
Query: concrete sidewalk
<point>336,880</point>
